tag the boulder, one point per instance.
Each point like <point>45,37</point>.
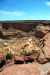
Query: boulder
<point>42,58</point>
<point>18,59</point>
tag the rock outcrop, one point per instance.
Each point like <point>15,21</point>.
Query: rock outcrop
<point>44,29</point>
<point>24,69</point>
<point>46,48</point>
<point>45,54</point>
<point>25,50</point>
<point>41,31</point>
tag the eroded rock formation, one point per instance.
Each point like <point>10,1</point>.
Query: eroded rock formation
<point>33,47</point>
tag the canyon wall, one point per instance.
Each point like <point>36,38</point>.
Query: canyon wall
<point>19,26</point>
<point>22,25</point>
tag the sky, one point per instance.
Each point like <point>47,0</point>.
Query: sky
<point>24,9</point>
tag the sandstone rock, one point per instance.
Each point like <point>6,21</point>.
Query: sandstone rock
<point>19,58</point>
<point>28,59</point>
<point>24,69</point>
<point>42,58</point>
<point>41,31</point>
<point>47,36</point>
<point>44,29</point>
<point>10,62</point>
<point>1,57</point>
<point>31,57</point>
<point>35,55</point>
<point>39,34</point>
<point>45,68</point>
<point>48,72</point>
<point>46,48</point>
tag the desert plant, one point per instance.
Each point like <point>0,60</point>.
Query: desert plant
<point>9,55</point>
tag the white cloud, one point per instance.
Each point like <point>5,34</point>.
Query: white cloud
<point>13,13</point>
<point>47,3</point>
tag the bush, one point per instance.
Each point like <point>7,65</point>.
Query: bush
<point>9,55</point>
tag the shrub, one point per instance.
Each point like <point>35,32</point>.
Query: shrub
<point>9,55</point>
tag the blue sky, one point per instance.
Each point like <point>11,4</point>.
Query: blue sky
<point>24,9</point>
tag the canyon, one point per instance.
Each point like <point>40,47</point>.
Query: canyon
<point>25,47</point>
